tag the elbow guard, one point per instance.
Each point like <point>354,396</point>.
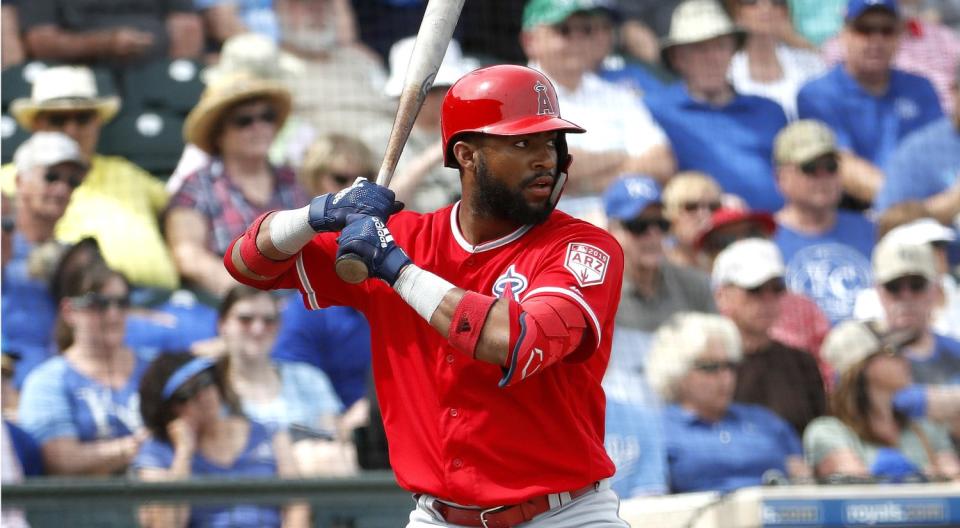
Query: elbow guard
<point>543,331</point>
<point>256,262</point>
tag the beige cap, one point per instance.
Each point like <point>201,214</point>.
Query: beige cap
<point>803,141</point>
<point>63,88</point>
<point>748,263</point>
<point>696,21</point>
<point>44,149</point>
<point>895,257</point>
<point>850,342</point>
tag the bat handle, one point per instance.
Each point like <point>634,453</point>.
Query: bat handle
<point>351,269</point>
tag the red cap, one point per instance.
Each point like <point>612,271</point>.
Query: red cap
<point>726,216</point>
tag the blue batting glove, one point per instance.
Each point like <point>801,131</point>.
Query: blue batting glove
<point>329,212</point>
<point>911,401</point>
<point>368,238</point>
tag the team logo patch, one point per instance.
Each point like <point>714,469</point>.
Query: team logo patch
<point>587,263</point>
<point>544,105</point>
<point>510,283</point>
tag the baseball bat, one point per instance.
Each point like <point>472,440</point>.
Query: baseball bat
<point>433,37</point>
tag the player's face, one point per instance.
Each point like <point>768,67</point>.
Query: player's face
<point>250,327</point>
<point>46,191</point>
<point>515,176</point>
<point>708,387</point>
<point>248,130</point>
<point>907,302</point>
<point>871,41</point>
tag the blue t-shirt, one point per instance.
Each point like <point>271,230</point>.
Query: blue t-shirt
<point>58,401</point>
<point>28,452</point>
<point>729,454</point>
<point>28,311</point>
<point>305,396</point>
<point>830,268</point>
<point>942,367</point>
<point>733,143</point>
<point>634,441</point>
<point>926,163</point>
<point>868,125</point>
<point>258,15</point>
<point>335,340</point>
<point>256,460</point>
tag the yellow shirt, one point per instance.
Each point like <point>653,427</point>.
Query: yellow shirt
<point>119,204</point>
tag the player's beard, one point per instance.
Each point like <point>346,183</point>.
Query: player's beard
<point>494,198</point>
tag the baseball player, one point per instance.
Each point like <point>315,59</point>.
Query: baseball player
<point>491,320</point>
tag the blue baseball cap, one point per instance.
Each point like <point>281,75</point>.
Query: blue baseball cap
<point>855,8</point>
<point>628,196</point>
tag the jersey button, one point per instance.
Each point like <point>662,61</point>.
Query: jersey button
<point>457,463</point>
<point>449,358</point>
<point>454,413</point>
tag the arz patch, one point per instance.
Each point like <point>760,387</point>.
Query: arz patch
<point>587,263</point>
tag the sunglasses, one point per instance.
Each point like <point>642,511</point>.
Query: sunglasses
<point>775,3</point>
<point>712,367</point>
<point>100,303</point>
<point>776,287</point>
<point>639,226</point>
<point>60,119</point>
<point>886,30</point>
<point>692,207</point>
<point>247,320</point>
<point>915,284</point>
<point>245,120</point>
<point>828,165</point>
<point>72,179</point>
<point>193,387</point>
<point>585,29</point>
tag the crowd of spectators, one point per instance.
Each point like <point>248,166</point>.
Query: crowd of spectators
<point>783,177</point>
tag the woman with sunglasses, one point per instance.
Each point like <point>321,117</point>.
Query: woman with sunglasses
<point>235,122</point>
<point>195,430</point>
<point>294,397</point>
<point>81,406</point>
<point>713,443</point>
<point>689,198</point>
<point>866,436</point>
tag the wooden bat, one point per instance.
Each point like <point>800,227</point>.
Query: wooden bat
<point>434,36</point>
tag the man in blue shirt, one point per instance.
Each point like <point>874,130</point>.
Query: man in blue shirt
<point>926,166</point>
<point>712,128</point>
<point>827,251</point>
<point>869,105</point>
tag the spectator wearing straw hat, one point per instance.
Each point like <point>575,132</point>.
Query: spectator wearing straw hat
<point>712,128</point>
<point>421,181</point>
<point>826,249</point>
<point>235,122</point>
<point>867,103</point>
<point>49,168</point>
<point>118,203</point>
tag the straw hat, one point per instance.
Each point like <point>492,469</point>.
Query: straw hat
<point>223,94</point>
<point>696,21</point>
<point>62,88</point>
<point>256,54</point>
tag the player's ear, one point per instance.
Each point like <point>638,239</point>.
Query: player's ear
<point>466,154</point>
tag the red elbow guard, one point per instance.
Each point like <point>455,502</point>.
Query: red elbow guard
<point>543,331</point>
<point>251,256</point>
<point>468,320</point>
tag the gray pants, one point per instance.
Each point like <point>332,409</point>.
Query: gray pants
<point>593,510</point>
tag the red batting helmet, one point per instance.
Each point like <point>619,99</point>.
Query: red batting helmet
<point>502,100</point>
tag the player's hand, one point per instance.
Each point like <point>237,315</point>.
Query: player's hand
<point>329,212</point>
<point>368,238</point>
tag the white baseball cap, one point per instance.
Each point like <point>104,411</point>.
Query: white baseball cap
<point>44,149</point>
<point>922,231</point>
<point>747,264</point>
<point>454,66</point>
<point>896,257</point>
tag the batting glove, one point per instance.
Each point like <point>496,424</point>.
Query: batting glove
<point>329,212</point>
<point>368,238</point>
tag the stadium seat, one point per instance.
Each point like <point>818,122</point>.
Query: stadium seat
<point>170,85</point>
<point>150,138</point>
<point>11,136</point>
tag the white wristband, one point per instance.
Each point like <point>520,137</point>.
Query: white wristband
<point>290,230</point>
<point>422,290</point>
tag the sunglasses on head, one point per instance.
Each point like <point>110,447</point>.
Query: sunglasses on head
<point>828,165</point>
<point>712,367</point>
<point>692,207</point>
<point>886,30</point>
<point>914,283</point>
<point>194,386</point>
<point>640,226</point>
<point>245,120</point>
<point>248,319</point>
<point>776,287</point>
<point>60,119</point>
<point>100,303</point>
<point>71,178</point>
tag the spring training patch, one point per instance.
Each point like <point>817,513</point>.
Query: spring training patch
<point>587,263</point>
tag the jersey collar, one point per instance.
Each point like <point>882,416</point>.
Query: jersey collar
<point>486,246</point>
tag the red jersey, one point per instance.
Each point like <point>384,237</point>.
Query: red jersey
<point>453,433</point>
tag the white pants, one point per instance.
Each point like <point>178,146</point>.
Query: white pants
<point>600,509</point>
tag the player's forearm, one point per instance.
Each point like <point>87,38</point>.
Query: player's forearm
<point>51,42</point>
<point>494,339</point>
